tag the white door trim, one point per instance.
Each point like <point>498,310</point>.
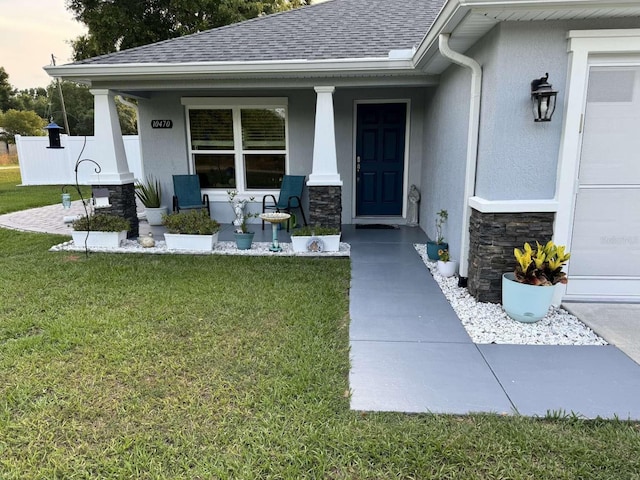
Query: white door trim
<point>586,48</point>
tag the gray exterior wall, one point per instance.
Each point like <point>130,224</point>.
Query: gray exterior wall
<point>517,158</point>
<point>444,155</point>
<point>165,151</point>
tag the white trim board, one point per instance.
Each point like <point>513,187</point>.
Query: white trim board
<point>512,206</point>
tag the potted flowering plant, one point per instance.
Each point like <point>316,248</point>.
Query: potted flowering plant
<point>438,244</point>
<point>446,266</point>
<point>243,237</point>
<point>527,292</point>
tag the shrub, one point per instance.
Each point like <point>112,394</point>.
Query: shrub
<point>190,222</point>
<point>101,223</point>
<point>310,231</point>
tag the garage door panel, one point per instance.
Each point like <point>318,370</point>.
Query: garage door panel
<point>606,234</point>
<point>611,141</point>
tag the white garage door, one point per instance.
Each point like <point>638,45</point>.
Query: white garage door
<point>605,243</point>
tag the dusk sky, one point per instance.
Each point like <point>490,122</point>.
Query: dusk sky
<point>30,31</point>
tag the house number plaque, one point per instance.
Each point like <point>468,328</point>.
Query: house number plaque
<point>161,123</point>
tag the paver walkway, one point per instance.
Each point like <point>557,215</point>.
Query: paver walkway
<point>410,353</point>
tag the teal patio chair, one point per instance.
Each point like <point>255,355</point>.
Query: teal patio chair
<point>187,195</point>
<point>289,198</point>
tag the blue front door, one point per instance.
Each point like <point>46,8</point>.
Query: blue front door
<point>380,144</point>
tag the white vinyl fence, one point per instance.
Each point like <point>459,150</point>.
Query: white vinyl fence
<point>40,165</point>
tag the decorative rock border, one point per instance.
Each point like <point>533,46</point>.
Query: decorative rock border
<point>487,323</point>
<point>220,248</point>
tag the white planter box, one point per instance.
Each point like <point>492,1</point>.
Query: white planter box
<point>199,243</point>
<point>330,243</point>
<point>99,239</point>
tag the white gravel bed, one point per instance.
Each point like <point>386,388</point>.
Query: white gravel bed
<point>487,322</point>
<point>220,248</point>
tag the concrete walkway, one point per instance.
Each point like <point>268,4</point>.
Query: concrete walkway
<point>410,353</point>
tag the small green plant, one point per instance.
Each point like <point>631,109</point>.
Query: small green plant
<point>542,266</point>
<point>238,206</point>
<point>101,223</point>
<point>441,219</point>
<point>190,222</point>
<point>443,255</point>
<point>149,192</point>
<point>310,231</point>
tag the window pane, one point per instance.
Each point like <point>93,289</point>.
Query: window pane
<point>263,129</point>
<point>264,171</point>
<point>211,129</point>
<point>216,171</point>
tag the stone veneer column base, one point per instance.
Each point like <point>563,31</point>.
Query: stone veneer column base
<point>325,206</point>
<point>493,236</point>
<point>123,204</point>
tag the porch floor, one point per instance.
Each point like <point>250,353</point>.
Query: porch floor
<point>410,353</point>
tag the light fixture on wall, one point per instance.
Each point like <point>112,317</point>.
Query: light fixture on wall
<point>543,98</point>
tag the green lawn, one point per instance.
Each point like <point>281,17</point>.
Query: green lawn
<point>14,197</point>
<point>199,367</point>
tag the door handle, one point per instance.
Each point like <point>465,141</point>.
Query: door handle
<point>358,164</point>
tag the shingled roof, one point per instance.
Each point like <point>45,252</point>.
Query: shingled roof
<point>337,29</point>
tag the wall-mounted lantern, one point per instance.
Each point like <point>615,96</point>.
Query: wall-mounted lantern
<point>54,134</point>
<point>543,98</point>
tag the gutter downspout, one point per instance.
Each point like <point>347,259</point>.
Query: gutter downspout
<point>472,143</point>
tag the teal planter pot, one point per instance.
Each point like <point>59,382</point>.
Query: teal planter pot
<point>244,240</point>
<point>523,302</point>
<point>433,247</point>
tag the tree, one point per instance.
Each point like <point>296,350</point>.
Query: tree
<point>6,91</point>
<point>120,24</point>
<point>15,122</point>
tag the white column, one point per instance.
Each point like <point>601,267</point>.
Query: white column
<point>325,161</point>
<point>109,146</point>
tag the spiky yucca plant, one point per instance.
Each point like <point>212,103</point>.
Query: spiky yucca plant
<point>542,266</point>
<point>149,192</point>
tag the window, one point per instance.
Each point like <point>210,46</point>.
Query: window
<point>241,145</point>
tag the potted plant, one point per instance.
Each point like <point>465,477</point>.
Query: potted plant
<point>150,194</point>
<point>101,230</point>
<point>446,266</point>
<point>190,230</point>
<point>439,244</point>
<point>527,292</point>
<point>315,239</point>
<point>243,237</point>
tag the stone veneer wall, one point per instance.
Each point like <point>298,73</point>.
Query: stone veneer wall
<point>123,204</point>
<point>325,206</point>
<point>493,236</point>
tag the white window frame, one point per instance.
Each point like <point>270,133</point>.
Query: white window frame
<point>236,105</point>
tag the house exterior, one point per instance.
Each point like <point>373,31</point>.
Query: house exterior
<point>369,97</point>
